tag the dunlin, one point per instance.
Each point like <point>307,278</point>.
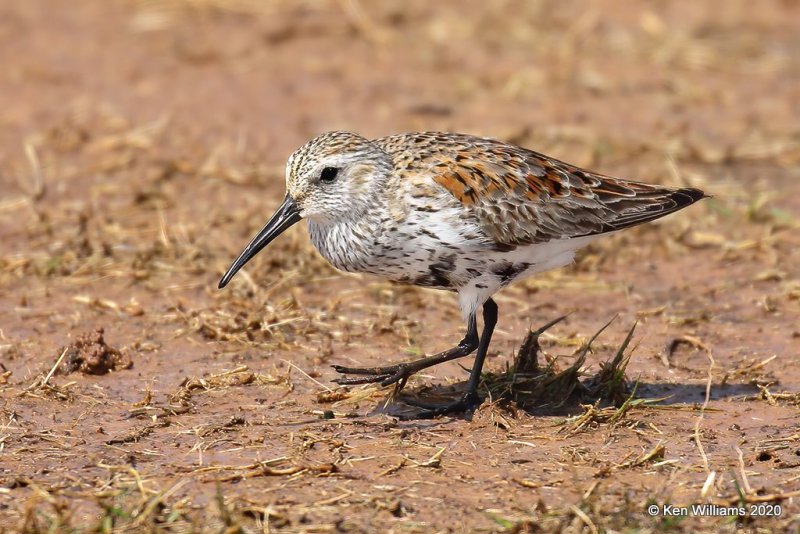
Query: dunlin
<point>455,212</point>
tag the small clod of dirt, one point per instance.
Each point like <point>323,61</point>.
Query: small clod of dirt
<point>90,355</point>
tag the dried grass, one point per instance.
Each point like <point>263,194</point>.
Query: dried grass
<point>528,383</point>
<point>115,216</point>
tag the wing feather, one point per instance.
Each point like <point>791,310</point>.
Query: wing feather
<point>520,197</point>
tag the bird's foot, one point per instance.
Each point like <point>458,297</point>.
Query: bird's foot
<point>466,404</point>
<point>384,375</point>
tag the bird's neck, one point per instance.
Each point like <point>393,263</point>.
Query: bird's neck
<point>348,241</point>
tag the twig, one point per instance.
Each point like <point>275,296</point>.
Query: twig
<point>745,482</point>
<point>702,412</point>
<point>36,169</point>
<point>53,369</point>
<point>712,476</point>
<point>580,514</point>
<point>317,382</point>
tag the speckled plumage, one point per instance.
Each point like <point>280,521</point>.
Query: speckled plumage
<point>452,211</point>
<point>469,214</point>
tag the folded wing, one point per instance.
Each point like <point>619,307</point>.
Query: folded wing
<point>522,197</point>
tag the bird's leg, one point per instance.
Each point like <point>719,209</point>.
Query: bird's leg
<point>470,399</point>
<point>399,373</point>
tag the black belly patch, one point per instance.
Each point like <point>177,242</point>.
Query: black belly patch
<point>508,271</point>
<point>439,273</point>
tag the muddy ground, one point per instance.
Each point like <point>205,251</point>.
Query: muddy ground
<point>142,143</point>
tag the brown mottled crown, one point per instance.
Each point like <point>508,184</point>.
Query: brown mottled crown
<point>328,144</point>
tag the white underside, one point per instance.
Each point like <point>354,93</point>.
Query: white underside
<point>444,243</point>
<point>542,257</point>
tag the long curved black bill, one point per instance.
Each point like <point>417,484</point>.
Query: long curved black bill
<point>288,214</point>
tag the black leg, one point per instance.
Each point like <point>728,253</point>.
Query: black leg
<point>470,399</point>
<point>399,373</point>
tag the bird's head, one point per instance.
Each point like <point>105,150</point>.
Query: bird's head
<point>334,176</point>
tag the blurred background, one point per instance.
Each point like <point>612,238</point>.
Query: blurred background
<point>142,142</point>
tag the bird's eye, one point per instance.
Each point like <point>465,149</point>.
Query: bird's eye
<point>328,174</point>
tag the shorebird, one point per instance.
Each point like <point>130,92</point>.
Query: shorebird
<point>454,212</point>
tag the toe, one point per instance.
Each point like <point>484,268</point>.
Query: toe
<point>348,381</point>
<point>465,404</point>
